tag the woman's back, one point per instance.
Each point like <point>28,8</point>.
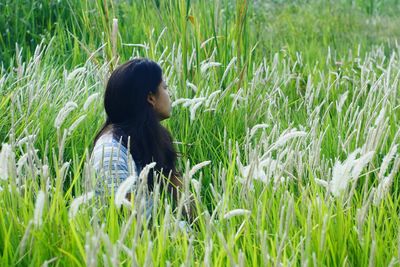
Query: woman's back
<point>112,163</point>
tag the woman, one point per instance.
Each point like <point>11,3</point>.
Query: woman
<point>136,100</point>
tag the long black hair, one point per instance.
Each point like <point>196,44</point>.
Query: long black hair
<point>129,114</point>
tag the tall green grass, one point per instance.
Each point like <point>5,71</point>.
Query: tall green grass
<point>276,95</point>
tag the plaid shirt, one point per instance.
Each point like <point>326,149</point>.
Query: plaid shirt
<point>113,163</point>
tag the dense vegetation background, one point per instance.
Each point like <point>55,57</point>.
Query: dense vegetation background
<point>295,103</point>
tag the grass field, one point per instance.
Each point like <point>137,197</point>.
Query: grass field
<point>296,104</point>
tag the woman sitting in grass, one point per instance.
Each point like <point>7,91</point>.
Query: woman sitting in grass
<point>135,101</point>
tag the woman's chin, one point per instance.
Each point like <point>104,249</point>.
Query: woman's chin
<point>164,117</point>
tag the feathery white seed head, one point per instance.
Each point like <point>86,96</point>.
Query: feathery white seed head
<point>76,123</point>
<point>75,72</point>
<point>38,213</point>
<point>21,162</point>
<point>195,184</point>
<point>288,136</point>
<point>193,101</point>
<point>45,169</point>
<point>258,172</point>
<point>236,212</point>
<point>386,160</point>
<point>361,163</point>
<point>73,210</point>
<point>380,117</point>
<point>90,100</point>
<point>180,101</point>
<point>193,109</point>
<point>342,99</point>
<point>340,177</point>
<point>26,139</point>
<point>204,67</point>
<point>5,157</point>
<point>144,46</point>
<point>191,86</point>
<point>256,127</point>
<point>322,182</point>
<point>64,112</point>
<point>233,60</point>
<point>351,168</point>
<point>385,183</point>
<point>211,97</point>
<point>197,167</point>
<point>123,189</point>
<point>145,171</point>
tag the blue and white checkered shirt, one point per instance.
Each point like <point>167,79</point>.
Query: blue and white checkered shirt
<point>113,163</point>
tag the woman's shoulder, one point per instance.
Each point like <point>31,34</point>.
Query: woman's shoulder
<point>107,147</point>
<point>107,150</point>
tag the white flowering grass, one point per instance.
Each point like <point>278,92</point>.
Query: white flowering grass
<point>191,86</point>
<point>75,72</point>
<point>256,127</point>
<point>145,171</point>
<point>123,189</point>
<point>228,68</point>
<point>193,109</point>
<point>385,183</point>
<point>77,202</point>
<point>198,166</point>
<point>38,211</point>
<point>236,212</point>
<point>5,157</point>
<point>386,161</point>
<point>345,172</point>
<point>63,113</point>
<point>288,136</point>
<point>26,139</point>
<point>206,65</point>
<point>131,184</point>
<point>90,100</point>
<point>75,124</point>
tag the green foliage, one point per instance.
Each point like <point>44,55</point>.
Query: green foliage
<point>286,92</point>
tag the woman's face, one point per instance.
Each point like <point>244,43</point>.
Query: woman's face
<point>161,101</point>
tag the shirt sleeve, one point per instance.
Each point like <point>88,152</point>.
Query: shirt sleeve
<point>110,162</point>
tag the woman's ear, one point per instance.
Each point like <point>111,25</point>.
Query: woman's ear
<point>151,98</point>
